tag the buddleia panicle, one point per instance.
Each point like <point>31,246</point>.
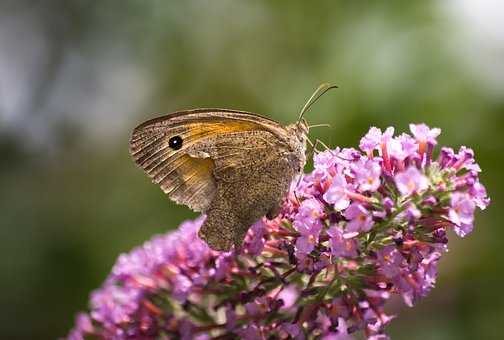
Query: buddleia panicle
<point>363,226</point>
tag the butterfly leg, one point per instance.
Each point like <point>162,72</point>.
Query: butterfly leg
<point>318,141</point>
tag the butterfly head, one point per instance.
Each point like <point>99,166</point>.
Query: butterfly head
<point>299,131</point>
<point>303,127</point>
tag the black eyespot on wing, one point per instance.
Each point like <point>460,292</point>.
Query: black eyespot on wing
<point>175,142</point>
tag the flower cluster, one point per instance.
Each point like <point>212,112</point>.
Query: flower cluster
<point>362,226</point>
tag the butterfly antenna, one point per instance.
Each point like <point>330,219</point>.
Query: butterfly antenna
<point>319,125</point>
<point>314,97</point>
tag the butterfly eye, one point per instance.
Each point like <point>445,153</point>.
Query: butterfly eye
<point>175,142</point>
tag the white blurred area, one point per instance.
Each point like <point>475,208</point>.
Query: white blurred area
<point>92,87</point>
<point>99,89</point>
<point>477,29</point>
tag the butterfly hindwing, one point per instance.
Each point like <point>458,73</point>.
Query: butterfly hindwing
<point>238,154</point>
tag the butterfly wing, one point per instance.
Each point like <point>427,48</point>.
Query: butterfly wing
<point>212,147</point>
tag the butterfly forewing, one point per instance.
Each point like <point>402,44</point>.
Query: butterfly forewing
<point>211,145</point>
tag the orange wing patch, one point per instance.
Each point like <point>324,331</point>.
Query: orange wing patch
<point>191,182</point>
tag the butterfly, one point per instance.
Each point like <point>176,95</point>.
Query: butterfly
<point>234,166</point>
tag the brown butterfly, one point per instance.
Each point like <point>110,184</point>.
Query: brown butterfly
<point>235,166</point>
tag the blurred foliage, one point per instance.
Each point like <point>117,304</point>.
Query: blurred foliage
<point>76,77</point>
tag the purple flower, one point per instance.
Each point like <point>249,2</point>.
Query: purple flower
<point>411,181</point>
<point>294,330</point>
<point>422,277</point>
<point>289,296</point>
<point>429,263</point>
<point>479,194</point>
<point>408,144</point>
<point>379,337</point>
<point>307,241</point>
<point>396,150</point>
<point>446,157</point>
<point>385,139</point>
<point>342,245</point>
<point>368,175</point>
<point>462,209</point>
<point>424,134</point>
<point>360,219</point>
<point>223,265</point>
<point>347,155</point>
<point>349,239</point>
<point>309,211</point>
<point>250,332</point>
<point>255,308</point>
<point>402,147</point>
<point>465,159</point>
<point>83,325</point>
<point>115,304</point>
<point>336,194</point>
<point>390,261</point>
<point>387,135</point>
<point>230,318</point>
<point>413,213</point>
<point>308,225</point>
<point>461,213</point>
<point>325,159</point>
<point>341,332</point>
<point>254,242</point>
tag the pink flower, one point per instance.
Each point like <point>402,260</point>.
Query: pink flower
<point>479,194</point>
<point>341,332</point>
<point>465,159</point>
<point>250,332</point>
<point>411,181</point>
<point>336,194</point>
<point>371,140</point>
<point>390,260</point>
<point>342,244</point>
<point>424,134</point>
<point>307,241</point>
<point>360,218</point>
<point>396,150</point>
<point>387,135</point>
<point>385,139</point>
<point>413,213</point>
<point>293,329</point>
<point>307,223</point>
<point>446,157</point>
<point>309,211</point>
<point>289,296</point>
<point>368,175</point>
<point>408,144</point>
<point>402,147</point>
<point>325,159</point>
<point>83,325</point>
<point>254,243</point>
<point>461,213</point>
<point>267,287</point>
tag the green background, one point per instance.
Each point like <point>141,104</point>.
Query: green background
<point>77,76</point>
